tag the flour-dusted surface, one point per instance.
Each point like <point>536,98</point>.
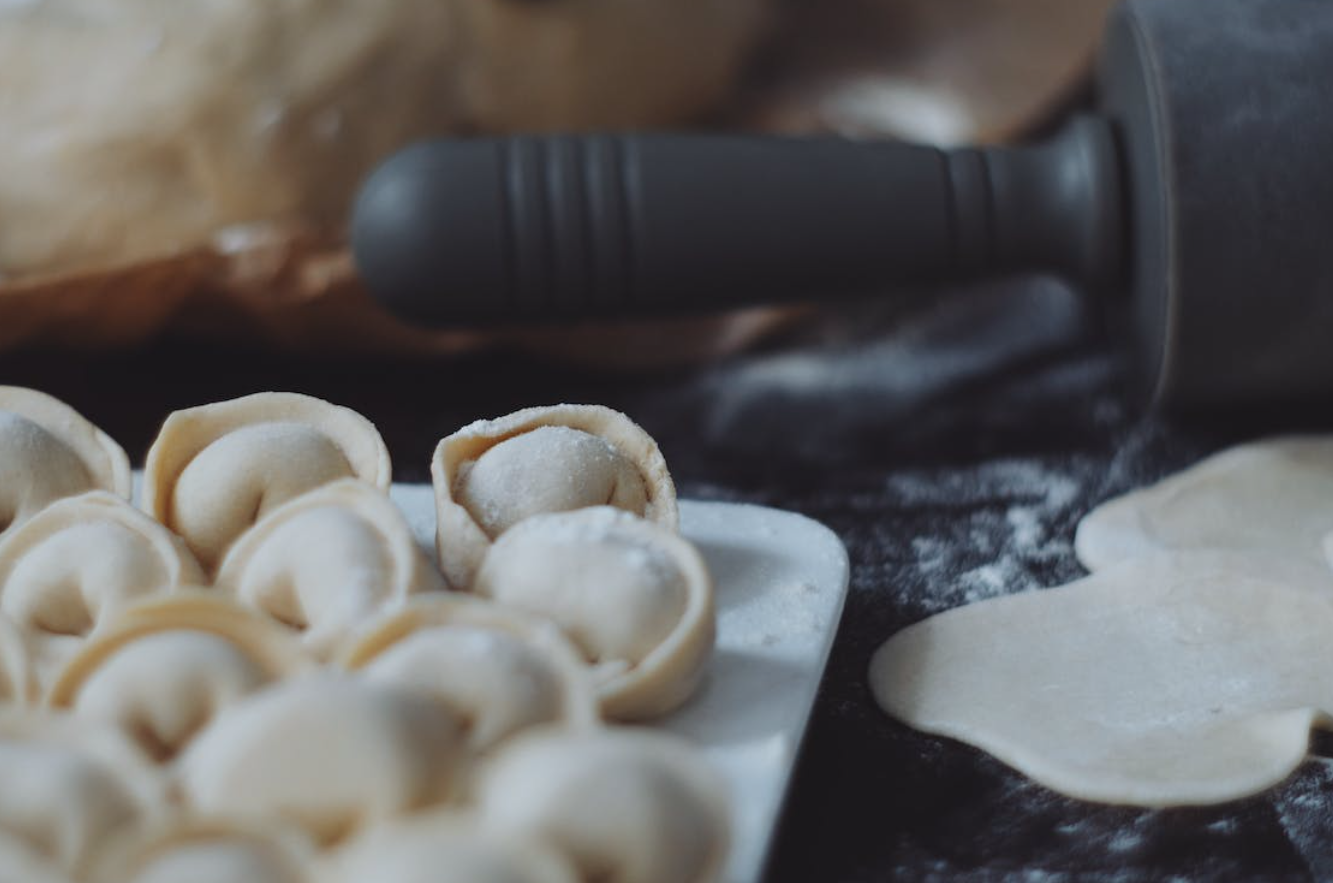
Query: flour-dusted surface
<point>952,446</point>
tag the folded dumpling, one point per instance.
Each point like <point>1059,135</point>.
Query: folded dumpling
<point>629,805</point>
<point>208,850</point>
<point>69,786</point>
<point>445,847</point>
<point>501,670</point>
<point>216,469</point>
<point>167,666</point>
<point>48,451</point>
<point>326,561</point>
<point>492,474</point>
<point>636,598</point>
<point>328,753</point>
<point>80,561</point>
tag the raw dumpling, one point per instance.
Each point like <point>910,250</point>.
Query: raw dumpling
<point>1273,497</point>
<point>492,474</point>
<point>444,847</point>
<point>624,805</point>
<point>79,562</point>
<point>635,597</point>
<point>1176,678</point>
<point>48,451</point>
<point>326,561</point>
<point>501,670</point>
<point>328,753</point>
<point>17,682</point>
<point>68,786</point>
<point>215,470</point>
<point>203,850</point>
<point>166,667</point>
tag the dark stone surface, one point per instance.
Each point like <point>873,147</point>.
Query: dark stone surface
<point>952,448</point>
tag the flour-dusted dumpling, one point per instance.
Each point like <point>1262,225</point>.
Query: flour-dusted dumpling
<point>48,451</point>
<point>326,561</point>
<point>635,597</point>
<point>444,847</point>
<point>625,805</point>
<point>1273,497</point>
<point>328,753</point>
<point>215,470</point>
<point>167,666</point>
<point>206,850</point>
<point>492,474</point>
<point>79,562</point>
<point>18,683</point>
<point>500,669</point>
<point>66,786</point>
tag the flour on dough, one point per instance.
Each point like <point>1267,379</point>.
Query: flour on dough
<point>1273,496</point>
<point>1171,679</point>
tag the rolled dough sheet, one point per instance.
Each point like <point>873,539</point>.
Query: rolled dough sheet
<point>1273,497</point>
<point>1172,679</point>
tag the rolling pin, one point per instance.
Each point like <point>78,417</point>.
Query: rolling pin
<point>1195,204</point>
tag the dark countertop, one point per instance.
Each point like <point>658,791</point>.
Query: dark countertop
<point>953,449</point>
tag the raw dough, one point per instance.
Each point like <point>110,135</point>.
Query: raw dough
<point>214,470</point>
<point>48,451</point>
<point>168,666</point>
<point>500,669</point>
<point>627,805</point>
<point>635,597</point>
<point>444,847</point>
<point>1171,679</point>
<point>1274,497</point>
<point>325,561</point>
<point>328,753</point>
<point>185,119</point>
<point>491,474</point>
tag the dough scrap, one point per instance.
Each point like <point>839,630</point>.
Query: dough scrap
<point>214,470</point>
<point>48,451</point>
<point>629,805</point>
<point>325,561</point>
<point>168,666</point>
<point>1273,497</point>
<point>444,847</point>
<point>635,597</point>
<point>1170,679</point>
<point>491,474</point>
<point>502,670</point>
<point>72,568</point>
<point>330,754</point>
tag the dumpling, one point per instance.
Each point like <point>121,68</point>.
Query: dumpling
<point>204,850</point>
<point>624,805</point>
<point>492,474</point>
<point>444,847</point>
<point>17,683</point>
<point>166,667</point>
<point>501,670</point>
<point>330,754</point>
<point>216,469</point>
<point>48,451</point>
<point>20,863</point>
<point>326,561</point>
<point>68,786</point>
<point>77,563</point>
<point>635,597</point>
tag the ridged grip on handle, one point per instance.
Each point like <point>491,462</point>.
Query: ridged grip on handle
<point>544,228</point>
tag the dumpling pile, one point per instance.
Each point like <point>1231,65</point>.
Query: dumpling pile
<point>262,676</point>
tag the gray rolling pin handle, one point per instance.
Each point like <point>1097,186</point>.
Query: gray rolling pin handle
<point>534,229</point>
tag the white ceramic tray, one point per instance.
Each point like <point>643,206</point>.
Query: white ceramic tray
<point>781,579</point>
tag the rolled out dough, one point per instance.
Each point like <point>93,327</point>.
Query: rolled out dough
<point>1273,496</point>
<point>1178,678</point>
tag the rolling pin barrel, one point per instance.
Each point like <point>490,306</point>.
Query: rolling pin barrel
<point>531,229</point>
